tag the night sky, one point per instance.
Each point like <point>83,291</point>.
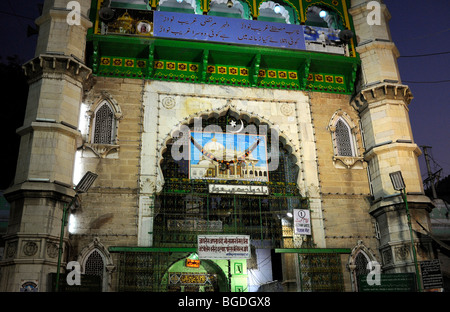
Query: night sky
<point>418,27</point>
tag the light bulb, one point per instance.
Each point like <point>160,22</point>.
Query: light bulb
<point>323,14</point>
<point>277,9</point>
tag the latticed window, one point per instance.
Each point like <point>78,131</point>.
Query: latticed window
<point>104,125</point>
<point>344,140</point>
<point>361,265</point>
<point>94,264</point>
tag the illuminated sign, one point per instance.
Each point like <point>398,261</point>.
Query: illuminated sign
<point>228,156</point>
<point>191,263</point>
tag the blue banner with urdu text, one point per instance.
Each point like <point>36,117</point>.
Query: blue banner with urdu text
<point>227,30</point>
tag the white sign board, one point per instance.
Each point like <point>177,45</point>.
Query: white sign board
<point>302,222</point>
<point>224,247</point>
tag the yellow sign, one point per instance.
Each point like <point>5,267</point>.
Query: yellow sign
<point>190,263</point>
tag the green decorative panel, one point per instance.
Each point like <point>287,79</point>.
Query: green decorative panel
<point>139,55</point>
<point>321,82</point>
<point>111,66</point>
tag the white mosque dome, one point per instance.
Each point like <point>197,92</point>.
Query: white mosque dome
<point>213,146</point>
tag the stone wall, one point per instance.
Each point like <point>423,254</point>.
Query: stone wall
<point>109,211</point>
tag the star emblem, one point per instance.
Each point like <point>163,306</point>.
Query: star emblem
<point>233,123</point>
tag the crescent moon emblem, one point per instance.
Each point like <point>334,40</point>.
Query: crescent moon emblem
<point>242,127</point>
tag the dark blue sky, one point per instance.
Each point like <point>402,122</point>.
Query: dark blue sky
<point>417,26</point>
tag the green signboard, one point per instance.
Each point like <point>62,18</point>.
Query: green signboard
<point>396,282</point>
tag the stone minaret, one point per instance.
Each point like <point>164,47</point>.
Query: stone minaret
<point>383,104</point>
<point>43,182</point>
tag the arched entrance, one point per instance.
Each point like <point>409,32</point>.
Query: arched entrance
<point>234,195</point>
<point>186,206</point>
<point>207,277</point>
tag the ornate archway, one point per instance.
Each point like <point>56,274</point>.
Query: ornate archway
<point>185,206</point>
<point>207,277</point>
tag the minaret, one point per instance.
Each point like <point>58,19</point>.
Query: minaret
<point>43,182</point>
<point>383,104</point>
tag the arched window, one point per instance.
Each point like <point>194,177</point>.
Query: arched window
<point>344,133</point>
<point>100,126</point>
<point>221,8</point>
<point>361,262</point>
<point>344,139</point>
<point>271,11</point>
<point>104,125</point>
<point>94,264</point>
<point>97,263</point>
<point>181,6</point>
<point>323,16</point>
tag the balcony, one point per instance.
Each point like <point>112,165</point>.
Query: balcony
<point>209,49</point>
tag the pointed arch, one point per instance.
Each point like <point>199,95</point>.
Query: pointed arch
<point>358,262</point>
<point>248,117</point>
<point>95,259</point>
<point>287,11</point>
<point>103,118</point>
<point>335,20</point>
<point>343,131</point>
<point>105,114</point>
<point>207,267</point>
<point>240,9</point>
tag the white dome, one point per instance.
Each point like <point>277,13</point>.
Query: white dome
<point>213,146</point>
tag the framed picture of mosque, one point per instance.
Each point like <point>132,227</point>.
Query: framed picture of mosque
<point>228,156</point>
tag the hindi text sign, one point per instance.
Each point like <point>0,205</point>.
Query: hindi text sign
<point>224,247</point>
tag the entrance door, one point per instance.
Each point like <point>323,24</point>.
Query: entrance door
<point>208,277</point>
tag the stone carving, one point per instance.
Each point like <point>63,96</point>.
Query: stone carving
<point>30,248</point>
<point>387,256</point>
<point>402,252</point>
<point>349,161</point>
<point>102,150</point>
<point>11,250</point>
<point>52,250</point>
<point>169,102</point>
<point>287,109</point>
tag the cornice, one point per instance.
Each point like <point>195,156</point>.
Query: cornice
<point>379,92</point>
<point>59,64</point>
